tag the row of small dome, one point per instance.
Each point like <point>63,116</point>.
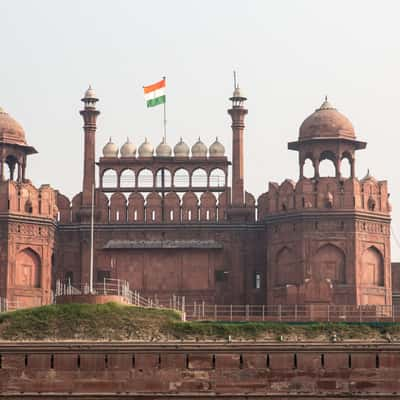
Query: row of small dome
<point>181,149</point>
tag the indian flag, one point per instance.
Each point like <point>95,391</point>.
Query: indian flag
<point>155,94</point>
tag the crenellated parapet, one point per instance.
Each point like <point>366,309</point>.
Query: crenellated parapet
<point>151,208</point>
<point>24,199</point>
<point>325,194</point>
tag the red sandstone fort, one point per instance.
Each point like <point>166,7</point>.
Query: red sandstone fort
<point>174,222</point>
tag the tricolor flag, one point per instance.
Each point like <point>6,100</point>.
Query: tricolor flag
<point>155,93</point>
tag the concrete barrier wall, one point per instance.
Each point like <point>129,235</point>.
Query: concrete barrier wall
<point>222,370</point>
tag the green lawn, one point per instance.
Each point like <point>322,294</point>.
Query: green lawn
<point>119,322</point>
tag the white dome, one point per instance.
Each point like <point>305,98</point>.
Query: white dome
<point>128,149</point>
<point>110,149</point>
<point>217,149</point>
<point>181,149</point>
<point>199,149</point>
<point>146,149</point>
<point>163,149</point>
<point>90,93</point>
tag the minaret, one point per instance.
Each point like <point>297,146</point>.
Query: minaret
<point>89,114</point>
<point>237,113</point>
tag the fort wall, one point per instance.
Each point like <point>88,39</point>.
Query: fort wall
<point>220,370</point>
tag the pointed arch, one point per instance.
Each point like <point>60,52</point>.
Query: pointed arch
<point>372,268</point>
<point>28,269</point>
<point>329,263</point>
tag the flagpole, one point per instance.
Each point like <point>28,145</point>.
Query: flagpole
<point>165,115</point>
<point>162,170</point>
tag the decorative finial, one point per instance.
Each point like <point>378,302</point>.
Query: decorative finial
<point>326,105</point>
<point>234,80</point>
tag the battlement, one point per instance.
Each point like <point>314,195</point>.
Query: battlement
<point>325,193</point>
<point>152,208</point>
<point>24,199</point>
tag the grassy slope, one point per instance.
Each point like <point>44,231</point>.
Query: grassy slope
<point>117,322</point>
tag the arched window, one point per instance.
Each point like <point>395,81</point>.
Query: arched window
<point>28,269</point>
<point>199,178</point>
<point>308,169</point>
<point>372,268</point>
<point>10,168</point>
<point>345,168</point>
<point>110,179</point>
<point>327,164</point>
<point>163,181</point>
<point>327,168</point>
<point>181,178</point>
<point>217,178</point>
<point>145,178</point>
<point>127,178</point>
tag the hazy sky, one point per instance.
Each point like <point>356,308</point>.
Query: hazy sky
<point>289,54</point>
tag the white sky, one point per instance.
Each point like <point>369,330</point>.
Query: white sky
<point>289,54</point>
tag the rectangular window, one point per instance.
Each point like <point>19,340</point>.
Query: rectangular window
<point>221,276</point>
<point>257,280</point>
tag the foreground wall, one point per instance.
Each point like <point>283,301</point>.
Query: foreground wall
<point>84,370</point>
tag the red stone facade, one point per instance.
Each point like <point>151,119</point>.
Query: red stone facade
<point>177,224</point>
<point>206,371</point>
